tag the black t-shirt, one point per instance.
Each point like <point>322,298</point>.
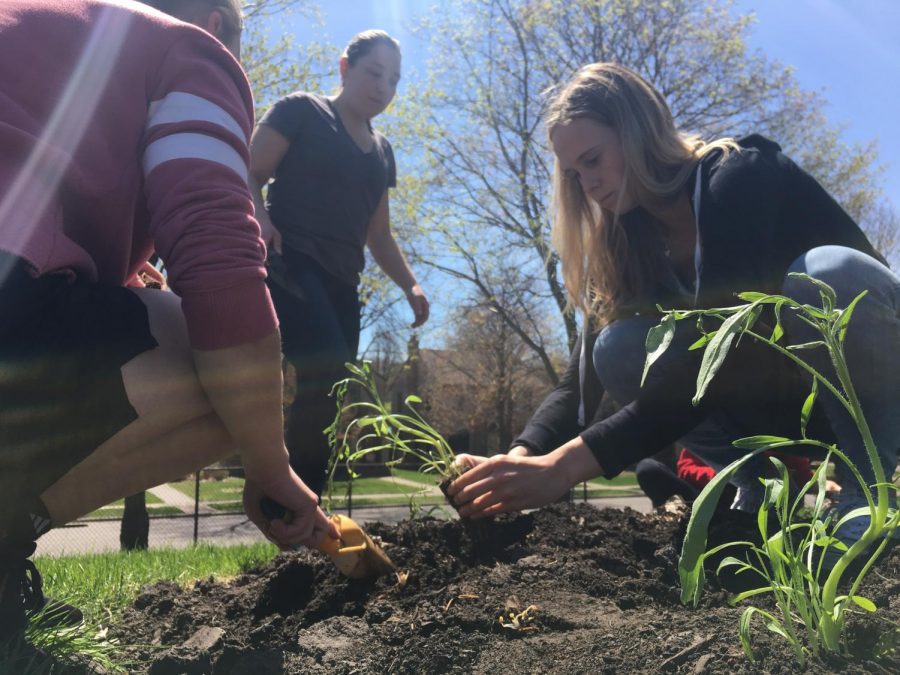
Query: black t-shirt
<point>326,188</point>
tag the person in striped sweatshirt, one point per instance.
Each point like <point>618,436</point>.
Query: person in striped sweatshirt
<point>124,131</point>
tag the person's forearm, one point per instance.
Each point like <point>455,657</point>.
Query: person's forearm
<point>259,203</point>
<point>576,462</point>
<point>244,386</point>
<point>390,259</point>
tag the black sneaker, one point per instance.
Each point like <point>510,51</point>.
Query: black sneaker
<point>21,589</point>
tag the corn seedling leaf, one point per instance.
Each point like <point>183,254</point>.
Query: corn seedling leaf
<point>846,314</point>
<point>717,349</point>
<point>759,442</point>
<point>754,296</point>
<point>865,603</point>
<point>731,561</point>
<point>807,409</point>
<point>774,488</point>
<point>829,297</point>
<point>806,345</point>
<point>702,342</point>
<point>831,541</point>
<point>821,479</point>
<point>778,331</point>
<point>740,597</point>
<point>855,513</point>
<point>658,340</point>
<point>690,564</point>
<point>777,627</point>
<point>744,629</point>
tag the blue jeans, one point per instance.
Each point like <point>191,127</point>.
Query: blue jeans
<point>872,347</point>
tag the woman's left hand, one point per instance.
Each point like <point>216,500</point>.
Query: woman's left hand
<point>504,483</point>
<point>415,296</point>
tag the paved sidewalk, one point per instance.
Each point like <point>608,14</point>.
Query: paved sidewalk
<point>178,532</point>
<point>179,500</point>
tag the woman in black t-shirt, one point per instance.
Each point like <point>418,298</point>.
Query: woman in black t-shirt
<point>328,200</point>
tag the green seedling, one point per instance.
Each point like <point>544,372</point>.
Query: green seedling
<point>523,621</point>
<point>810,613</point>
<point>374,427</point>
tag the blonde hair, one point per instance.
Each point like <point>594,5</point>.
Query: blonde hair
<point>609,261</point>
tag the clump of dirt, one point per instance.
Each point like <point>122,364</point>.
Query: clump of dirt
<point>594,591</point>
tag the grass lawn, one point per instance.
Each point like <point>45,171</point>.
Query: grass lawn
<point>227,507</point>
<point>374,486</point>
<point>608,492</point>
<point>155,507</point>
<point>430,500</point>
<point>626,478</point>
<point>418,476</point>
<point>116,511</point>
<point>225,490</point>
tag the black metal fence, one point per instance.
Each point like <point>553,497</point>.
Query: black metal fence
<point>207,507</point>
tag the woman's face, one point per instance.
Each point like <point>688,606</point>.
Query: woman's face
<point>591,153</point>
<point>371,82</point>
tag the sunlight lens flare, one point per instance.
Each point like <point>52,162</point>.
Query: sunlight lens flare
<point>30,198</point>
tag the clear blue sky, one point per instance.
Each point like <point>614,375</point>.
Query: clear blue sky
<point>847,49</point>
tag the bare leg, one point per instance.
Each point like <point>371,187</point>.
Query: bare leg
<point>176,431</point>
<point>116,470</point>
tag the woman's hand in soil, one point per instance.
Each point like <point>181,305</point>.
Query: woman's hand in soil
<point>304,524</point>
<point>506,483</point>
<point>513,482</point>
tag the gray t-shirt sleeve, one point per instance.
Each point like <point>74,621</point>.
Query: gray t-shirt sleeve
<point>287,116</point>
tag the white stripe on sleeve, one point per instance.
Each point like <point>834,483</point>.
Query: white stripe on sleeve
<point>193,146</point>
<point>179,106</point>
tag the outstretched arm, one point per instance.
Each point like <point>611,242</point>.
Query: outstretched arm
<point>390,258</point>
<point>504,483</point>
<point>244,386</point>
<point>267,149</point>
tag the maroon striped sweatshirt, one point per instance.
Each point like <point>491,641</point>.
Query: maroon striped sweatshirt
<point>124,131</point>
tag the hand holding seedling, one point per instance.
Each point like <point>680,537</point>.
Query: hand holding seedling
<point>505,483</point>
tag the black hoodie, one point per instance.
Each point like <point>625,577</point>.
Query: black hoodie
<point>757,213</point>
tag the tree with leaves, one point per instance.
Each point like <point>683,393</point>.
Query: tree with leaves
<point>487,163</point>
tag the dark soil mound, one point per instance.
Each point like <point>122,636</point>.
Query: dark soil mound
<point>594,591</point>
